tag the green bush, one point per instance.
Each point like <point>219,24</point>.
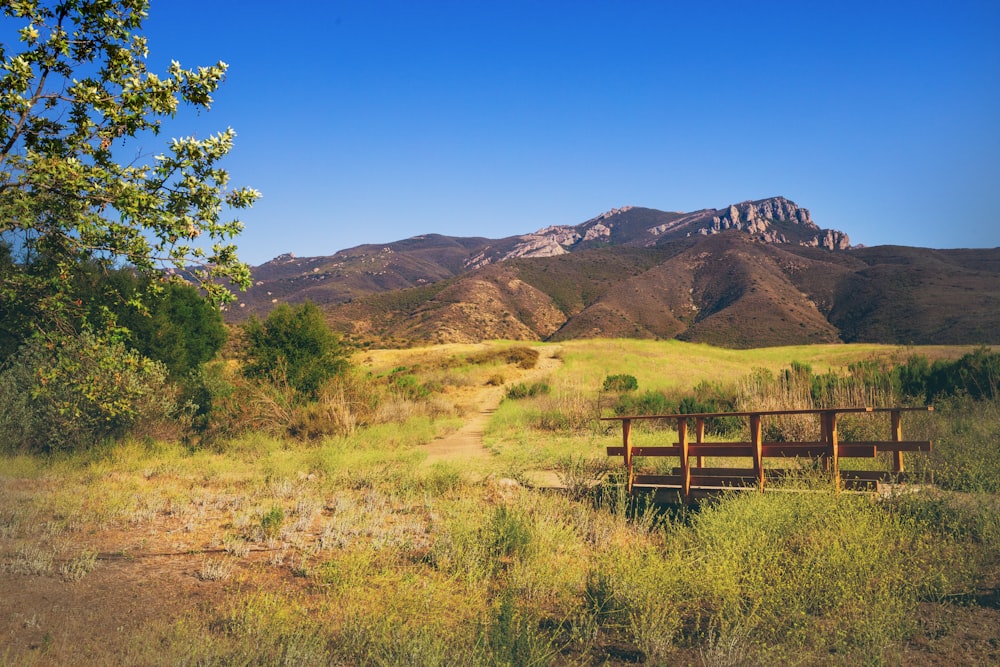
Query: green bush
<point>647,403</point>
<point>77,392</point>
<point>620,383</point>
<point>523,390</point>
<point>295,346</point>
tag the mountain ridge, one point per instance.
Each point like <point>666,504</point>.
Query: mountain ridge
<point>751,274</point>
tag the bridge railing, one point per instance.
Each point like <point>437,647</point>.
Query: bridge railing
<point>691,478</point>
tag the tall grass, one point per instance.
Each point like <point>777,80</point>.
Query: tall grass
<point>347,549</point>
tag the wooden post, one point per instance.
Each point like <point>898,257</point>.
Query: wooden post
<point>824,437</point>
<point>699,437</point>
<point>897,436</point>
<point>627,444</point>
<point>756,441</point>
<point>682,436</point>
<point>831,432</point>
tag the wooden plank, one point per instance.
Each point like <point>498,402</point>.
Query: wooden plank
<point>903,446</point>
<point>803,411</point>
<point>859,484</point>
<point>699,438</point>
<point>897,437</point>
<point>855,450</point>
<point>790,449</point>
<point>870,475</point>
<point>700,481</point>
<point>711,472</point>
<point>726,449</point>
<point>616,451</point>
<point>656,451</point>
<point>833,440</point>
<point>658,480</point>
<point>627,446</point>
<point>713,415</point>
<point>887,476</point>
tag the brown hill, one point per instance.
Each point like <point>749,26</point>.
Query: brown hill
<point>729,290</point>
<point>753,274</point>
<point>422,260</point>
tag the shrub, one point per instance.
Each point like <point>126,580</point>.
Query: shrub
<point>78,392</point>
<point>965,455</point>
<point>647,403</point>
<point>182,329</point>
<point>620,383</point>
<point>522,390</point>
<point>295,346</point>
<point>518,355</point>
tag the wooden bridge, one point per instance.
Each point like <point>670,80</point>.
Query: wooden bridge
<point>691,480</point>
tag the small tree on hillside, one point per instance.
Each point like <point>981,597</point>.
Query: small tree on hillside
<point>294,345</point>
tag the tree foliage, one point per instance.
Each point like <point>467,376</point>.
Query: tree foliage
<point>181,329</point>
<point>76,103</point>
<point>293,345</point>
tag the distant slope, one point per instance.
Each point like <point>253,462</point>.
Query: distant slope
<point>421,260</point>
<point>727,290</point>
<point>914,295</point>
<point>753,274</point>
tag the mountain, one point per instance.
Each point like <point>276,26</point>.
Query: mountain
<point>751,274</point>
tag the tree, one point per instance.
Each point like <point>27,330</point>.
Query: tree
<point>294,345</point>
<point>74,94</point>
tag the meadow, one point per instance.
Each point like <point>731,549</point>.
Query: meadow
<point>359,548</point>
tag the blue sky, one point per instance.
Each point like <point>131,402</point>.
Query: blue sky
<point>373,121</point>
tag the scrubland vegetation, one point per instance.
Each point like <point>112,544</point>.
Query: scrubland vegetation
<point>314,532</point>
<point>174,491</point>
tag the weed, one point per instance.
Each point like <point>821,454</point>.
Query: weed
<point>514,638</point>
<point>271,522</point>
<point>580,475</point>
<point>215,569</point>
<point>236,546</point>
<point>79,566</point>
<point>32,560</point>
<point>508,535</point>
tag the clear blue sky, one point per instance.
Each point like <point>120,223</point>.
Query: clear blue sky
<point>367,121</point>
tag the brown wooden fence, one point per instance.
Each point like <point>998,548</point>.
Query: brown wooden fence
<point>692,479</point>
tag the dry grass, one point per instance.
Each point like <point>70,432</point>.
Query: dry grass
<point>347,550</point>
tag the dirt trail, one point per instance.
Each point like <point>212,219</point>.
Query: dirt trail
<point>467,442</point>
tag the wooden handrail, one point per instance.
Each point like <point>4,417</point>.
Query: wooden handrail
<point>747,413</point>
<point>829,447</point>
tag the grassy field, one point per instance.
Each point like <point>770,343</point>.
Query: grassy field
<point>357,549</point>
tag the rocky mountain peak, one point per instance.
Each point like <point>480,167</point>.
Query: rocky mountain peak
<point>759,218</point>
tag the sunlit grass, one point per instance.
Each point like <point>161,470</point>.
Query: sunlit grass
<point>355,550</point>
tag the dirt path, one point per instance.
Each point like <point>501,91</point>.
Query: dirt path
<point>467,442</point>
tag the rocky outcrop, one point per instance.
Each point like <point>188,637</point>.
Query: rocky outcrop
<point>830,239</point>
<point>758,218</point>
<point>548,242</point>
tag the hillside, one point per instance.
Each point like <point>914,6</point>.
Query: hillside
<point>754,274</point>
